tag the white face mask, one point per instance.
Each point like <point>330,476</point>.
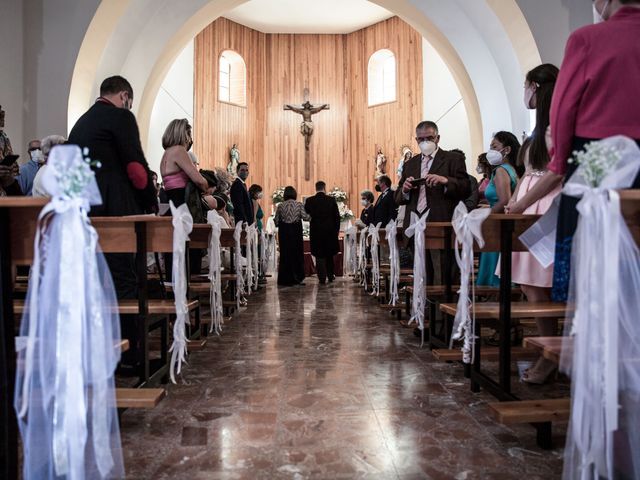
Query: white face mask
<point>528,95</point>
<point>427,148</point>
<point>260,195</point>
<point>363,202</point>
<point>480,170</point>
<point>494,157</point>
<point>37,156</point>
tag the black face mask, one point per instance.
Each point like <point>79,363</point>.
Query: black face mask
<point>378,189</point>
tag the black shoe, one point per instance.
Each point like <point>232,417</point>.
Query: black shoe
<point>332,278</point>
<point>418,333</point>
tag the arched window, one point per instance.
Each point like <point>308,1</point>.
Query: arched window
<point>382,77</point>
<point>232,86</point>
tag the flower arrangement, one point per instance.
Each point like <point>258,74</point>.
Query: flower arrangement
<point>597,161</point>
<point>340,197</point>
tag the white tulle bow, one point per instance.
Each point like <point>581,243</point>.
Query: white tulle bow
<point>215,271</point>
<point>374,242</point>
<point>362,257</point>
<point>604,285</point>
<point>182,226</point>
<point>419,300</point>
<point>240,282</point>
<point>467,227</point>
<point>65,392</point>
<point>251,281</point>
<point>350,250</point>
<point>394,261</point>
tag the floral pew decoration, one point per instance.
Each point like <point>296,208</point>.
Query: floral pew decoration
<point>65,394</point>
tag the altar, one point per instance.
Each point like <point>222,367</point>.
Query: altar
<point>309,262</point>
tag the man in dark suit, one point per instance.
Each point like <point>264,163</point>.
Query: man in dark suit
<point>324,229</point>
<point>240,199</point>
<point>443,183</point>
<point>385,208</point>
<point>110,132</point>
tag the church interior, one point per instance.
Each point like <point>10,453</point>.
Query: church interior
<point>291,239</point>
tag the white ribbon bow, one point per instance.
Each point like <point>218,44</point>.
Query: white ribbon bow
<point>240,285</point>
<point>362,258</point>
<point>182,225</point>
<point>604,285</point>
<point>467,227</point>
<point>215,272</point>
<point>251,278</point>
<point>416,229</point>
<point>374,238</point>
<point>350,250</point>
<point>394,261</point>
<point>65,393</point>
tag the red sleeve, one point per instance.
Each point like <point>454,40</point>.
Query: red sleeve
<point>568,91</point>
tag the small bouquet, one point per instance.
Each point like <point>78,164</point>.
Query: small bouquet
<point>278,195</point>
<point>598,160</point>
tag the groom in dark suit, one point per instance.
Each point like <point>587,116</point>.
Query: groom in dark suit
<point>434,180</point>
<point>323,230</point>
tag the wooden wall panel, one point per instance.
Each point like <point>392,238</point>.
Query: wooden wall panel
<point>334,68</point>
<point>389,125</point>
<point>219,125</point>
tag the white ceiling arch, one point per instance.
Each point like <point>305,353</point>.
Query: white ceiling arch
<point>308,16</point>
<point>141,38</point>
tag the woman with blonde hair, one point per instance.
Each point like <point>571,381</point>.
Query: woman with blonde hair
<point>176,167</point>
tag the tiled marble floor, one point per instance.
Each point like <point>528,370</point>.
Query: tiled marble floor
<point>317,382</point>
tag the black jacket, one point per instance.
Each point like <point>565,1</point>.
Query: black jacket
<point>324,226</point>
<point>385,209</point>
<point>242,204</point>
<point>124,179</point>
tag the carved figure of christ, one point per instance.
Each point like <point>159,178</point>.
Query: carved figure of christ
<point>306,127</point>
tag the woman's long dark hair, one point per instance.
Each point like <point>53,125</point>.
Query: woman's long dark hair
<point>508,139</point>
<point>544,76</point>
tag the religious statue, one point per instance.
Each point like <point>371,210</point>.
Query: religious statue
<point>381,163</point>
<point>234,156</point>
<point>406,156</point>
<point>306,127</point>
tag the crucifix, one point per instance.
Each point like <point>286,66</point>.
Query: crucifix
<point>306,127</point>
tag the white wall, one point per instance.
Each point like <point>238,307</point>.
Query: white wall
<point>551,22</point>
<point>443,103</point>
<point>174,100</point>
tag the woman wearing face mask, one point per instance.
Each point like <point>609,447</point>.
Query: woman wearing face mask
<point>596,96</point>
<point>534,279</point>
<point>366,216</point>
<point>255,192</point>
<point>484,169</point>
<point>176,167</point>
<point>501,157</point>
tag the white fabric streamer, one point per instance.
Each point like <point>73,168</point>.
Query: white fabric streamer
<point>467,226</point>
<point>270,250</point>
<point>240,285</point>
<point>254,256</point>
<point>182,225</point>
<point>374,241</point>
<point>362,258</point>
<point>394,261</point>
<point>65,392</point>
<point>604,363</point>
<point>350,250</point>
<point>419,301</point>
<point>215,271</point>
<point>251,279</point>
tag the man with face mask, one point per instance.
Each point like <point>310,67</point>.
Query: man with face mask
<point>29,170</point>
<point>385,208</point>
<point>240,198</point>
<point>110,133</point>
<point>434,180</point>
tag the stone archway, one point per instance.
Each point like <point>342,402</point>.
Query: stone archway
<point>487,45</point>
